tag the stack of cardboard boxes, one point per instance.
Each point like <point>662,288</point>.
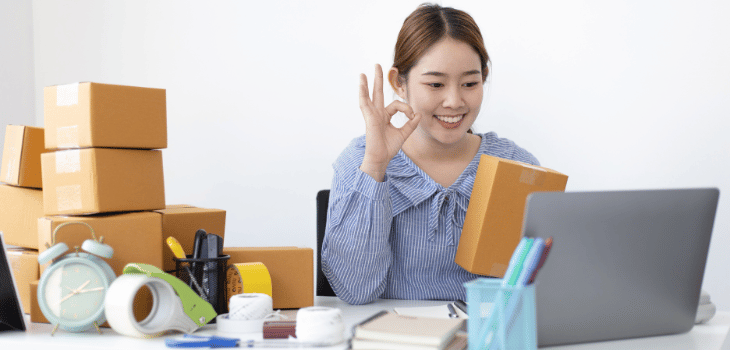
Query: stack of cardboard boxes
<point>99,163</point>
<point>21,203</point>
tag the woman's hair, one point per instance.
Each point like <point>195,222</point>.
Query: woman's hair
<point>428,24</point>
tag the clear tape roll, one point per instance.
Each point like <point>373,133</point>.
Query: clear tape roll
<point>166,314</point>
<point>321,325</point>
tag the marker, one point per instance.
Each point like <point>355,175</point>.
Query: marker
<point>179,253</point>
<point>176,248</point>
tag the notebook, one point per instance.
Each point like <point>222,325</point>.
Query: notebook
<point>394,328</point>
<point>624,264</point>
<point>459,342</point>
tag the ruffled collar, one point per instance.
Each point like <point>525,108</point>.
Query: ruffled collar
<point>416,186</point>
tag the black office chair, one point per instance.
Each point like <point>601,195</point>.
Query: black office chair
<point>323,285</point>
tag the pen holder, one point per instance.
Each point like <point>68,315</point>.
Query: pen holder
<point>500,317</point>
<point>210,276</point>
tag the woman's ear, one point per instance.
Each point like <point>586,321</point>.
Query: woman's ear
<point>396,83</point>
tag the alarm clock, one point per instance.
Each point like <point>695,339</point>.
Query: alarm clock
<point>71,291</point>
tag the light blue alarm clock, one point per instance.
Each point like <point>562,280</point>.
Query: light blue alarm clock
<point>71,291</point>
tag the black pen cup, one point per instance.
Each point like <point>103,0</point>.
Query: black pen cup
<point>207,277</point>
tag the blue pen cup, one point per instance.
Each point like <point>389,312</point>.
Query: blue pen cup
<point>513,323</point>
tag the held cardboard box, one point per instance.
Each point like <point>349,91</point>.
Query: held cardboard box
<point>101,180</point>
<point>291,271</point>
<point>24,263</point>
<point>20,209</point>
<point>135,237</point>
<point>182,223</point>
<point>84,115</point>
<point>141,309</point>
<point>21,164</point>
<point>493,224</point>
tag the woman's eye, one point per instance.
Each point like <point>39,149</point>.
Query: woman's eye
<point>471,84</point>
<point>435,85</point>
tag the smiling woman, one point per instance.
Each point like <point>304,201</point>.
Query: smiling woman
<point>399,195</point>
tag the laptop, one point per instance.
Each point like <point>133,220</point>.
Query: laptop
<point>624,264</point>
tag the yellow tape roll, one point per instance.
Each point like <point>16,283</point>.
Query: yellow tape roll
<point>251,277</point>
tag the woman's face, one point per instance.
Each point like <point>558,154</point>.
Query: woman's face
<point>445,86</point>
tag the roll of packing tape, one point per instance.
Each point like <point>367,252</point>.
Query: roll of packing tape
<point>250,306</point>
<point>167,309</point>
<point>251,277</point>
<point>247,314</point>
<point>321,325</point>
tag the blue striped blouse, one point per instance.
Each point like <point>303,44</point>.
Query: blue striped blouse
<point>397,239</point>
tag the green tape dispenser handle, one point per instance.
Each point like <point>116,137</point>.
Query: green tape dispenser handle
<point>194,306</point>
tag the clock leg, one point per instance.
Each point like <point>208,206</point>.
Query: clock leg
<point>55,328</point>
<point>97,327</point>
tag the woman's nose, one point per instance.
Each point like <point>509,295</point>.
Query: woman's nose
<point>453,98</point>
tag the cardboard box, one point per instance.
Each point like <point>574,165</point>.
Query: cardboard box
<point>135,237</point>
<point>21,165</point>
<point>36,315</point>
<point>24,263</point>
<point>182,223</point>
<point>101,180</point>
<point>493,224</point>
<point>20,209</point>
<point>291,271</point>
<point>141,309</point>
<point>84,115</point>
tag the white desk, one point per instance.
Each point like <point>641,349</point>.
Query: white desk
<point>708,336</point>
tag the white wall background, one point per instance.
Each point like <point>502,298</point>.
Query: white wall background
<point>16,66</point>
<point>262,96</point>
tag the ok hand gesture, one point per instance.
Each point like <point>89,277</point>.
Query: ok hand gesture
<point>382,138</point>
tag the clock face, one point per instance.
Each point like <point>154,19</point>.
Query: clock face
<point>75,291</point>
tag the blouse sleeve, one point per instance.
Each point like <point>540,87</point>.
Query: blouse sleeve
<point>356,254</point>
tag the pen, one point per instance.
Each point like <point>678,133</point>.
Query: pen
<point>545,252</point>
<point>198,249</point>
<point>452,312</point>
<point>380,313</point>
<point>461,305</point>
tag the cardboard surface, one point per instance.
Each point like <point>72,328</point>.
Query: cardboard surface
<point>291,271</point>
<point>101,180</point>
<point>135,237</point>
<point>493,224</point>
<point>21,162</point>
<point>36,315</point>
<point>20,209</point>
<point>24,263</point>
<point>88,114</point>
<point>182,222</point>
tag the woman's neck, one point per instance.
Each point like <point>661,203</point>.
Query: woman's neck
<point>424,147</point>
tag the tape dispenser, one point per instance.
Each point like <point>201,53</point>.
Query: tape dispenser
<point>175,306</point>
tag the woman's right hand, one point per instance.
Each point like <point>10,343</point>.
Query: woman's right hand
<point>382,139</point>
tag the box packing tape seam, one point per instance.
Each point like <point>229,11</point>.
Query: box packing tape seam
<point>68,162</point>
<point>533,176</point>
<point>9,175</point>
<point>68,197</point>
<point>67,95</point>
<point>68,136</point>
